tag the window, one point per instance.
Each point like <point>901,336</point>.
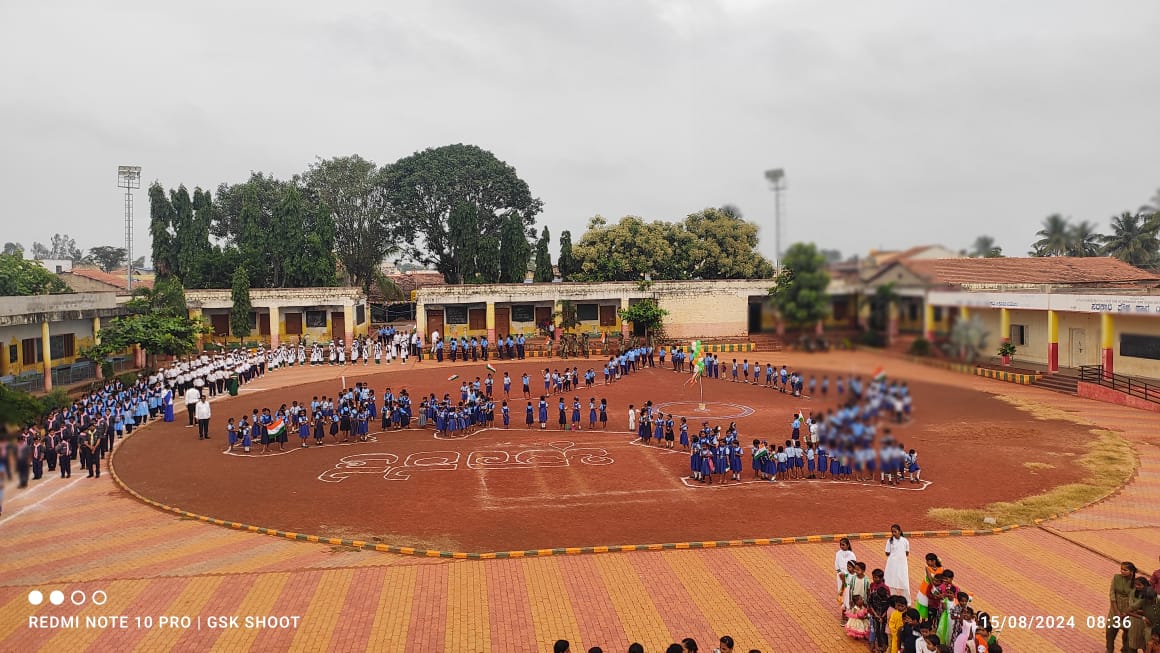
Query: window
<point>315,319</point>
<point>1018,334</point>
<point>912,311</point>
<point>360,314</point>
<point>587,312</point>
<point>477,319</point>
<point>1140,346</point>
<point>13,353</point>
<point>523,313</point>
<point>253,321</point>
<point>456,315</point>
<point>31,351</point>
<point>62,346</point>
<point>839,310</point>
<point>938,313</point>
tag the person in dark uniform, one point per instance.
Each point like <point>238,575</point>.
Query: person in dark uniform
<point>37,458</point>
<point>64,456</point>
<point>23,459</point>
<point>50,442</point>
<point>94,443</point>
<point>107,441</point>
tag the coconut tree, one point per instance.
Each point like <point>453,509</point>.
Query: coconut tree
<point>1134,239</point>
<point>1084,240</point>
<point>1054,238</point>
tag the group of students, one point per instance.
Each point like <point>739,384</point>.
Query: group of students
<point>725,644</point>
<point>876,606</point>
<point>477,347</point>
<point>848,443</point>
<point>1134,610</point>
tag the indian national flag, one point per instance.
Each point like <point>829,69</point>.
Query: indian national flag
<point>490,368</point>
<point>453,377</point>
<point>880,373</point>
<point>277,427</point>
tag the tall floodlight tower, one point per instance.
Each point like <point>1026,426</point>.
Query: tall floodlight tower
<point>776,179</point>
<point>129,178</point>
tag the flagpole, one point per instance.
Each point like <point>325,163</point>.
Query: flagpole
<point>701,387</point>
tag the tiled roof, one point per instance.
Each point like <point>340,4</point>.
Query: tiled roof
<point>108,278</point>
<point>1047,270</point>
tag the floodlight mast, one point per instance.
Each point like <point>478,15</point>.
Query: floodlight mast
<point>129,178</point>
<point>776,178</point>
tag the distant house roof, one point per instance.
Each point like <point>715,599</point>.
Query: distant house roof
<point>882,257</point>
<point>1048,270</point>
<point>416,279</point>
<point>84,279</point>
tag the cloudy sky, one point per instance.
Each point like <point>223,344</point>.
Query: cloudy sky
<point>898,123</point>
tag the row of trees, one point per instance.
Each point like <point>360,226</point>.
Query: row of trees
<point>709,244</point>
<point>456,208</point>
<point>1134,238</point>
<point>63,247</point>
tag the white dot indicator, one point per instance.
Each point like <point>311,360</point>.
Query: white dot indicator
<point>35,597</point>
<point>56,597</point>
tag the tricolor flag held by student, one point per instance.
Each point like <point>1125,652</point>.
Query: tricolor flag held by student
<point>697,360</point>
<point>880,374</point>
<point>277,427</point>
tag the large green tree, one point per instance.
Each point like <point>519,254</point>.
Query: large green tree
<point>158,321</point>
<point>425,188</point>
<point>21,277</point>
<point>632,249</point>
<point>1084,239</point>
<point>567,262</point>
<point>13,248</point>
<point>800,291</point>
<point>241,309</point>
<point>161,231</point>
<point>1134,239</point>
<point>724,246</point>
<point>108,257</point>
<point>352,188</point>
<point>544,270</point>
<point>514,250</point>
<point>64,248</point>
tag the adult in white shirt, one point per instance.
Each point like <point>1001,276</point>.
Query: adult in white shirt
<point>202,413</point>
<point>897,566</point>
<point>191,397</point>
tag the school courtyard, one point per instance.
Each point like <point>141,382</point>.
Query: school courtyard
<point>151,579</point>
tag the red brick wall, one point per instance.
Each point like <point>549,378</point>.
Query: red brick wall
<point>1100,393</point>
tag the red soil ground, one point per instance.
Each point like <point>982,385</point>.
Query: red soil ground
<point>971,445</point>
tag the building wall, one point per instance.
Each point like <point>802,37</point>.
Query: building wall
<point>1129,365</point>
<point>696,308</point>
<point>82,331</point>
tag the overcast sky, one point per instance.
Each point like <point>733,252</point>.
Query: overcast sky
<point>898,123</point>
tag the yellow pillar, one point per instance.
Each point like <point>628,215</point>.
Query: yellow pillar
<point>1107,343</point>
<point>46,354</point>
<point>490,313</point>
<point>195,314</point>
<point>5,364</point>
<point>97,341</point>
<point>927,320</point>
<point>275,328</point>
<point>964,313</point>
<point>1052,341</point>
<point>348,319</point>
<point>1004,325</point>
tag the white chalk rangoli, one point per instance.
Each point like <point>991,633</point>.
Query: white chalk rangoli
<point>386,464</point>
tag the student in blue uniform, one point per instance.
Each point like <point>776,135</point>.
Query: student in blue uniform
<point>735,453</point>
<point>603,413</point>
<point>528,417</point>
<point>507,417</point>
<point>592,413</point>
<point>543,412</point>
<point>303,427</point>
<point>659,429</point>
<point>575,413</point>
<point>684,434</point>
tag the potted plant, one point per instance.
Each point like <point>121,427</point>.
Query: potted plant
<point>1006,351</point>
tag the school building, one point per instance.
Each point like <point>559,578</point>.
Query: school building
<point>1057,311</point>
<point>286,315</point>
<point>696,309</point>
<point>42,335</point>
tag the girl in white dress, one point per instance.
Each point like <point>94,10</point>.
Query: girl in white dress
<point>897,567</point>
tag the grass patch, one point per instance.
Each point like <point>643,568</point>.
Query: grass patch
<point>1035,466</point>
<point>1109,465</point>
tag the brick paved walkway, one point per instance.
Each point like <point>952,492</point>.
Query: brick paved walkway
<point>85,535</point>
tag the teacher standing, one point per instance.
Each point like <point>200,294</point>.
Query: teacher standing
<point>897,566</point>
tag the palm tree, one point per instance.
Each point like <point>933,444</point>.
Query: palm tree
<point>1134,239</point>
<point>1084,240</point>
<point>985,247</point>
<point>1054,237</point>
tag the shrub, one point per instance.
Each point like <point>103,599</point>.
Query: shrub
<point>920,347</point>
<point>874,339</point>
